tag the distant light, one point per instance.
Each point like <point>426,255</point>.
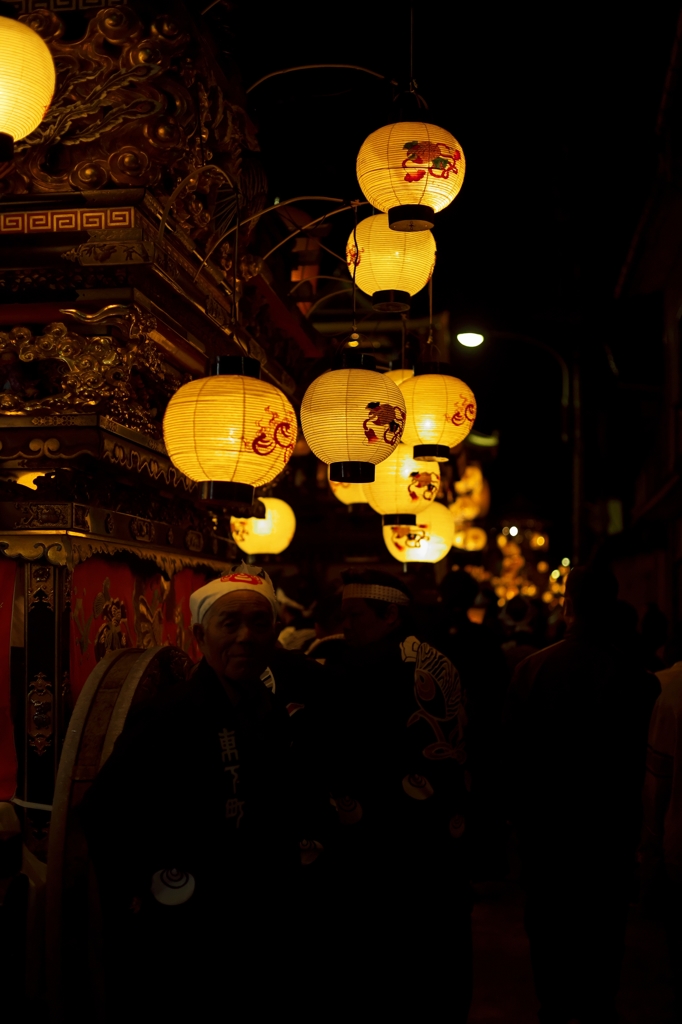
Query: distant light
<point>276,201</point>
<point>565,561</point>
<point>505,530</point>
<point>540,541</point>
<point>513,531</point>
<point>353,344</point>
<point>555,574</point>
<point>470,340</point>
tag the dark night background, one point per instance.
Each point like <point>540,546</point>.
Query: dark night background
<point>556,112</point>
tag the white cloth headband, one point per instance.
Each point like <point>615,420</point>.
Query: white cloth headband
<point>239,577</point>
<point>375,592</point>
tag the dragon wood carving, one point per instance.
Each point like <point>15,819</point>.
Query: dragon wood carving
<point>122,378</point>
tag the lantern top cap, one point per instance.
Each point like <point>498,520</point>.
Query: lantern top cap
<point>444,369</point>
<point>243,366</point>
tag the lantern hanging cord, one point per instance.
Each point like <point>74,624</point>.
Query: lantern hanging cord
<point>313,67</point>
<point>413,84</point>
<point>261,213</point>
<point>356,257</point>
<point>310,224</point>
<point>235,298</point>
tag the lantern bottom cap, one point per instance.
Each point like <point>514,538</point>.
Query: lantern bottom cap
<point>223,492</point>
<point>392,301</point>
<point>352,472</point>
<point>431,453</point>
<point>411,217</point>
<point>400,519</point>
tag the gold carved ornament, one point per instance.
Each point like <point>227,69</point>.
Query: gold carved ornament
<point>97,369</point>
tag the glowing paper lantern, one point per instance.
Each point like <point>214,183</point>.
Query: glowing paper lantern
<point>27,78</point>
<point>353,419</point>
<point>348,494</point>
<point>428,541</point>
<point>389,266</point>
<point>440,413</point>
<point>232,432</point>
<point>269,536</point>
<point>473,538</point>
<point>410,170</point>
<point>398,376</point>
<point>402,487</point>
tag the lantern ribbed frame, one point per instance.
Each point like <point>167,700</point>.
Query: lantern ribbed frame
<point>230,428</point>
<point>428,541</point>
<point>27,78</point>
<point>265,536</point>
<point>390,260</point>
<point>441,410</point>
<point>402,485</point>
<point>386,172</point>
<point>348,494</point>
<point>353,416</point>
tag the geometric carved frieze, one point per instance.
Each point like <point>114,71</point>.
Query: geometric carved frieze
<point>39,222</point>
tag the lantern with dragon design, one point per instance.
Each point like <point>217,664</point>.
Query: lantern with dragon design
<point>269,535</point>
<point>353,419</point>
<point>410,170</point>
<point>347,494</point>
<point>440,413</point>
<point>232,432</point>
<point>389,267</point>
<point>402,487</point>
<point>429,540</point>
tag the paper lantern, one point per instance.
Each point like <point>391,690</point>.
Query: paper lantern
<point>268,536</point>
<point>410,170</point>
<point>389,266</point>
<point>440,413</point>
<point>402,487</point>
<point>27,79</point>
<point>348,494</point>
<point>232,432</point>
<point>472,538</point>
<point>398,376</point>
<point>428,541</point>
<point>353,419</point>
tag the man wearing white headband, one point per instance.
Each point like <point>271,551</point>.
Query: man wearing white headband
<point>400,797</point>
<point>202,814</point>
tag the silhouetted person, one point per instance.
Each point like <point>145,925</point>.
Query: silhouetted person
<point>475,650</point>
<point>402,903</point>
<point>520,644</point>
<point>194,822</point>
<point>662,834</point>
<point>576,741</point>
<point>654,631</point>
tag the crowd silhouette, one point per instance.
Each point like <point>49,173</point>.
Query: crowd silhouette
<point>308,820</point>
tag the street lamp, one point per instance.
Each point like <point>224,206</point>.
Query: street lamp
<point>473,340</point>
<point>470,340</point>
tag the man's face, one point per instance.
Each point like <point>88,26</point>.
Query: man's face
<point>238,636</point>
<point>361,624</point>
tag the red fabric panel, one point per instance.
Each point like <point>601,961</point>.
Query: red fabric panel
<point>112,607</point>
<point>8,754</point>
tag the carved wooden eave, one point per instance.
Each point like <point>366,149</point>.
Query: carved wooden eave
<point>70,547</point>
<point>29,443</point>
<point>118,231</point>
